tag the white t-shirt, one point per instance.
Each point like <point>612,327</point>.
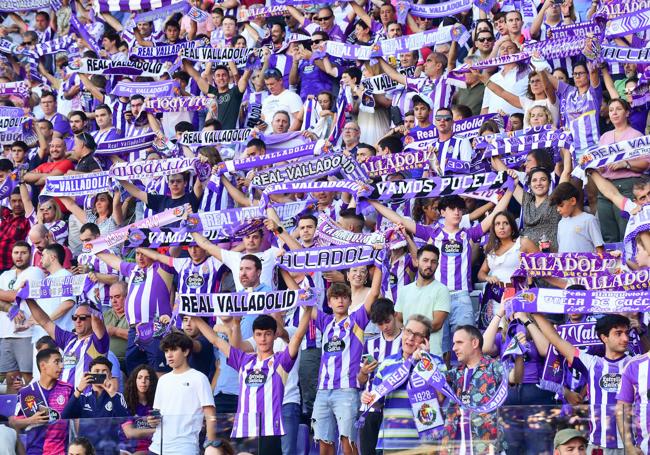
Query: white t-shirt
<point>515,85</point>
<point>50,305</point>
<point>285,101</point>
<point>9,282</point>
<point>269,258</point>
<point>180,399</point>
<point>7,440</point>
<point>291,390</point>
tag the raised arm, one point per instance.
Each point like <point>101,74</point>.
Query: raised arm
<point>375,290</point>
<point>204,86</point>
<point>392,72</point>
<point>567,162</point>
<point>296,14</point>
<point>27,200</point>
<point>112,260</point>
<point>498,90</point>
<point>134,191</point>
<point>238,195</point>
<point>393,216</point>
<point>92,88</point>
<point>296,339</point>
<point>211,336</point>
<point>273,222</point>
<point>41,317</point>
<point>564,347</point>
<point>211,248</point>
<point>489,336</point>
<point>609,82</point>
<point>156,256</point>
<point>500,207</point>
<point>242,83</point>
<point>73,208</point>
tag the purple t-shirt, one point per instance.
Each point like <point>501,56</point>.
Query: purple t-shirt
<point>533,363</point>
<point>149,291</point>
<point>78,353</point>
<point>635,389</point>
<point>313,80</point>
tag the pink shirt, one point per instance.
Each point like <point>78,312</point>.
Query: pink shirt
<point>608,138</point>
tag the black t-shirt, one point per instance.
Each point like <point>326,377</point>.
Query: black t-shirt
<point>88,164</point>
<point>159,202</point>
<point>228,104</point>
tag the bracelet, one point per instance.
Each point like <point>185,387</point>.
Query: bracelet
<point>80,391</point>
<point>527,323</point>
<point>498,316</point>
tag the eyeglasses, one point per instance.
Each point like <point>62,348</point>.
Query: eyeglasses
<point>413,334</point>
<point>318,41</point>
<point>483,40</point>
<point>579,73</point>
<point>81,317</point>
<point>444,118</point>
<point>321,19</point>
<point>28,43</point>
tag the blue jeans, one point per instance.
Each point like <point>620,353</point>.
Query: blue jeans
<point>335,410</point>
<point>290,421</point>
<point>462,313</point>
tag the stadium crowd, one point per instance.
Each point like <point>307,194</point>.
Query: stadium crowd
<point>377,226</point>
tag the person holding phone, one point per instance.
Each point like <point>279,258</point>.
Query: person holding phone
<point>103,400</point>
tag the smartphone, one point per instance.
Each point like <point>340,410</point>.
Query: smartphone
<point>368,358</point>
<point>97,378</point>
<point>155,413</point>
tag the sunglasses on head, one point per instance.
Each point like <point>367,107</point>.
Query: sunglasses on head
<point>81,317</point>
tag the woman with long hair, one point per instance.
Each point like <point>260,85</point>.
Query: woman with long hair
<point>47,213</point>
<point>106,211</point>
<point>503,249</point>
<point>139,393</point>
<point>357,277</point>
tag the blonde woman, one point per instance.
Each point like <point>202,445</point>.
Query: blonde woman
<point>47,213</point>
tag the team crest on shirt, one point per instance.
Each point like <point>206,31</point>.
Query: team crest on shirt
<point>136,237</point>
<point>30,403</point>
<point>109,406</point>
<point>346,325</point>
<point>334,346</point>
<point>138,277</point>
<point>256,378</point>
<point>178,211</point>
<point>205,268</point>
<point>452,247</point>
<point>610,382</point>
<point>194,281</point>
<point>60,400</point>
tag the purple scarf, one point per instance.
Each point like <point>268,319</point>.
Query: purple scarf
<point>166,236</point>
<point>162,13</point>
<point>178,104</point>
<point>146,89</point>
<point>247,15</point>
<point>108,6</point>
<point>245,303</point>
<point>637,279</point>
<point>66,286</point>
<point>329,258</point>
<point>198,138</point>
<point>400,190</point>
<point>409,43</point>
<point>628,24</point>
<point>354,188</point>
<point>139,170</point>
<point>103,67</point>
<point>78,184</point>
<point>12,6</point>
<point>579,30</point>
<point>603,155</point>
<point>544,300</point>
<point>330,233</point>
<point>299,151</point>
<point>8,186</point>
<point>498,145</point>
<point>119,146</point>
<point>565,265</point>
<point>377,166</point>
<point>167,50</point>
<point>220,55</point>
<point>448,8</point>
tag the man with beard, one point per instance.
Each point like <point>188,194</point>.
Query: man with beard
<point>57,165</point>
<point>78,122</point>
<point>15,336</point>
<point>426,296</point>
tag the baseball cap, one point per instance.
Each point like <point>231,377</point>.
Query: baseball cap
<point>564,436</point>
<point>425,99</point>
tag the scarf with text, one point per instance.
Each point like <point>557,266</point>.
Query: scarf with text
<point>162,13</point>
<point>166,50</point>
<point>78,184</point>
<point>104,67</point>
<point>243,164</point>
<point>330,233</point>
<point>120,146</point>
<point>139,170</point>
<point>198,138</point>
<point>604,155</point>
<point>53,287</point>
<point>109,6</point>
<point>329,258</point>
<point>146,89</point>
<point>179,104</point>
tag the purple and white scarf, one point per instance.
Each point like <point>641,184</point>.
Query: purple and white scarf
<point>628,24</point>
<point>416,41</point>
<point>621,54</point>
<point>329,258</point>
<point>448,8</point>
<point>309,169</point>
<point>580,334</point>
<point>119,146</point>
<point>12,6</point>
<point>604,155</point>
<point>247,15</point>
<point>170,236</point>
<point>299,151</point>
<point>330,233</point>
<point>579,30</point>
<point>198,138</point>
<point>139,170</point>
<point>198,15</point>
<point>347,51</point>
<point>54,46</point>
<point>8,186</point>
<point>178,104</point>
<point>378,166</point>
<point>245,303</point>
<point>635,225</point>
<point>564,265</point>
<point>502,144</point>
<point>557,48</point>
<point>109,6</point>
<point>162,13</point>
<point>220,55</point>
<point>78,184</point>
<point>65,286</point>
<point>466,129</point>
<point>634,280</point>
<point>83,33</point>
<point>119,236</point>
<point>146,89</point>
<point>400,190</point>
<point>167,50</point>
<point>103,67</point>
<point>346,186</point>
<point>558,301</point>
<point>20,89</point>
<point>383,82</point>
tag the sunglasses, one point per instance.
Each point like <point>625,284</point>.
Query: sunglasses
<point>81,317</point>
<point>318,41</point>
<point>320,19</point>
<point>483,40</point>
<point>446,118</point>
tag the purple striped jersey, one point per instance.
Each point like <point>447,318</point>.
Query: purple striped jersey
<point>401,272</point>
<point>102,290</point>
<point>59,229</point>
<point>157,185</point>
<point>201,278</point>
<point>380,348</point>
<point>132,129</point>
<point>440,91</point>
<point>635,390</point>
<point>457,149</point>
<point>119,109</point>
<point>580,113</point>
<point>261,392</point>
<point>455,264</point>
<point>342,349</point>
<point>149,291</point>
<point>546,32</point>
<point>78,353</point>
<point>313,337</point>
<point>106,135</point>
<point>402,98</point>
<point>604,384</point>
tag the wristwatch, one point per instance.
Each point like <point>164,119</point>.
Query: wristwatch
<point>627,165</point>
<point>527,323</point>
<point>208,443</point>
<point>279,229</point>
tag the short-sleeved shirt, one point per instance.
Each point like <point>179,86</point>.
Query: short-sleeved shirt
<point>579,234</point>
<point>261,392</point>
<point>149,291</point>
<point>88,164</point>
<point>424,300</point>
<point>580,112</point>
<point>268,257</point>
<point>228,105</point>
<point>514,81</point>
<point>285,101</point>
<point>635,389</point>
<point>78,353</point>
<point>342,349</point>
<point>159,202</point>
<point>117,344</point>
